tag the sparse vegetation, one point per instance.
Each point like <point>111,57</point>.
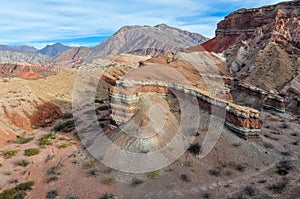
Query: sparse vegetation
<point>52,194</point>
<point>92,173</point>
<point>107,196</point>
<point>47,139</point>
<point>108,180</point>
<point>18,192</point>
<point>5,80</point>
<point>54,170</point>
<point>67,116</point>
<point>9,154</point>
<point>52,178</point>
<point>214,172</point>
<point>279,187</point>
<point>283,167</point>
<point>249,191</point>
<point>194,148</point>
<point>65,127</point>
<point>136,182</point>
<point>22,163</point>
<point>24,140</point>
<point>185,178</point>
<point>89,164</point>
<point>31,151</point>
<point>268,145</point>
<point>152,174</point>
<point>63,145</point>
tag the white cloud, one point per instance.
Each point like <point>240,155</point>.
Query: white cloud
<point>48,20</point>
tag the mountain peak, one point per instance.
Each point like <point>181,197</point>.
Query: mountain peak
<point>54,49</point>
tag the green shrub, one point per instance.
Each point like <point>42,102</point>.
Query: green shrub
<point>52,194</point>
<point>31,151</point>
<point>47,139</point>
<point>10,154</point>
<point>18,192</point>
<point>194,148</point>
<point>153,174</point>
<point>108,180</point>
<point>24,140</point>
<point>22,163</point>
<point>65,127</point>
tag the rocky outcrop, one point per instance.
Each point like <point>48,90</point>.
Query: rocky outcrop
<point>146,40</point>
<point>281,19</point>
<point>242,120</point>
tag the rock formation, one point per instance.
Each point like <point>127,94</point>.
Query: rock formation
<point>9,57</point>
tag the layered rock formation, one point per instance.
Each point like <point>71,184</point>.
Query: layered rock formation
<point>146,40</point>
<point>281,20</point>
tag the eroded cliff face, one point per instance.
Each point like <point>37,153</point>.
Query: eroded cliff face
<point>281,19</point>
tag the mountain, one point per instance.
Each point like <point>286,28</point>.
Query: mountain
<point>23,48</point>
<point>147,40</point>
<point>8,57</point>
<point>54,50</point>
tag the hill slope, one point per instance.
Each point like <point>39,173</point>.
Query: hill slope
<point>22,49</point>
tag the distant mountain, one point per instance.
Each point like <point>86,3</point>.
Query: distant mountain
<point>147,40</point>
<point>9,57</point>
<point>22,49</point>
<point>54,50</point>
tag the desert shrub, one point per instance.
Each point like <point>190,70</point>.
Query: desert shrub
<point>24,140</point>
<point>54,170</point>
<point>108,180</point>
<point>67,116</point>
<point>52,194</point>
<point>278,187</point>
<point>5,80</point>
<point>152,174</point>
<point>49,157</point>
<point>194,148</point>
<point>71,196</point>
<point>295,143</point>
<point>18,192</point>
<point>103,108</point>
<point>65,127</point>
<point>47,139</point>
<point>31,151</point>
<point>250,191</point>
<point>89,164</point>
<point>237,144</point>
<point>268,145</point>
<point>206,195</point>
<point>136,182</point>
<point>22,163</point>
<point>52,178</point>
<point>240,168</point>
<point>92,173</point>
<point>63,145</point>
<point>185,178</point>
<point>273,119</point>
<point>284,126</point>
<point>283,167</point>
<point>107,196</point>
<point>214,172</point>
<point>10,153</point>
<point>7,173</point>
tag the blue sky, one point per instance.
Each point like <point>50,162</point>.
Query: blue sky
<point>87,22</point>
